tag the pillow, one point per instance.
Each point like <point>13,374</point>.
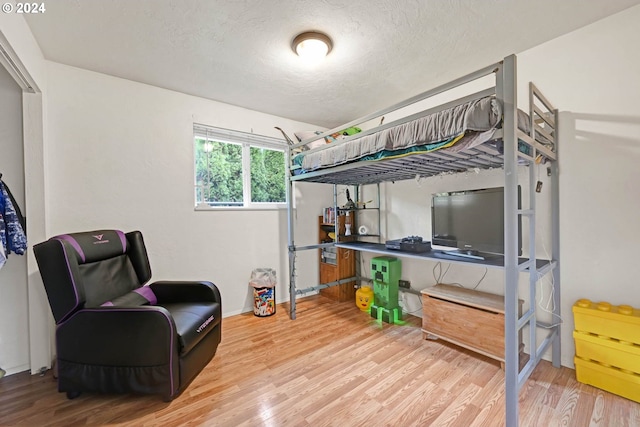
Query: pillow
<point>343,134</point>
<point>301,136</point>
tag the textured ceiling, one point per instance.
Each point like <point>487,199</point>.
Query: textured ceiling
<point>238,52</point>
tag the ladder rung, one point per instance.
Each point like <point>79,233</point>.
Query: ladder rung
<point>525,319</point>
<point>526,212</point>
<point>526,265</point>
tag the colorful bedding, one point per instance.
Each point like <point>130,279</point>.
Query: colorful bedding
<point>461,127</point>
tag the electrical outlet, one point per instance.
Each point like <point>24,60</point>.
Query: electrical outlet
<point>404,284</point>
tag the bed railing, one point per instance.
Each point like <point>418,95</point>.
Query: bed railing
<point>542,115</point>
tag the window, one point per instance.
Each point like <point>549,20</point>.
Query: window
<point>238,169</point>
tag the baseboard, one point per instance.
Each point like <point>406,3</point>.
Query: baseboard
<point>16,369</point>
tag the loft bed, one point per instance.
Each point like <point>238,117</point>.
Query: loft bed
<point>452,139</point>
<point>483,130</point>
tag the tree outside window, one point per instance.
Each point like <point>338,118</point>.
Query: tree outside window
<point>267,176</point>
<point>238,173</point>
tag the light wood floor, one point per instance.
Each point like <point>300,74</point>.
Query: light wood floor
<point>333,366</point>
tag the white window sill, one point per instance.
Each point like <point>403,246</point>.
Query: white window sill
<point>256,207</point>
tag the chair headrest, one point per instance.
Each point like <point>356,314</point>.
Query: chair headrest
<point>91,246</point>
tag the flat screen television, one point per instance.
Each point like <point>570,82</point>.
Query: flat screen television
<point>471,222</point>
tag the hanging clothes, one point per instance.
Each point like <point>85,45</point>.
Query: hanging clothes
<point>12,224</point>
<point>3,256</point>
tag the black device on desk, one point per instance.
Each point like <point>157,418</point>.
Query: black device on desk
<point>409,244</point>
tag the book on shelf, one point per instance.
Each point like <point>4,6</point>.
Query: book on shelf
<point>329,216</point>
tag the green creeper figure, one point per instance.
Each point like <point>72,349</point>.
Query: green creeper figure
<point>386,272</point>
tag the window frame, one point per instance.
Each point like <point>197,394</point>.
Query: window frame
<point>246,141</point>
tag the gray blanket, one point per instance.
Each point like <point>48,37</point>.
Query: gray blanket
<point>481,116</point>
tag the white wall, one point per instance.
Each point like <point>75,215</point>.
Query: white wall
<point>592,78</point>
<point>121,156</point>
<point>14,341</point>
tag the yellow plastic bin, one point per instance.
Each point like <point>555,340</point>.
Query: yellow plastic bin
<point>621,322</point>
<point>607,339</point>
<point>263,281</point>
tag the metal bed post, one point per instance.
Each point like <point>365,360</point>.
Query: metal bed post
<point>290,233</point>
<point>509,94</point>
<point>551,133</point>
<point>380,213</point>
<point>336,222</point>
<point>555,247</point>
<point>533,271</point>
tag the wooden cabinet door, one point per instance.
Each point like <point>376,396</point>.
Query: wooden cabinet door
<point>328,273</point>
<point>345,267</point>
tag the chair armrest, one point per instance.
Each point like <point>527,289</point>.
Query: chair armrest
<point>185,291</point>
<point>119,336</point>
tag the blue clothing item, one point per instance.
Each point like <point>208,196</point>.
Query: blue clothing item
<point>12,234</point>
<point>3,256</point>
<point>3,231</point>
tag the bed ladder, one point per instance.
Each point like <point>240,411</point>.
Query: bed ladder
<point>514,377</point>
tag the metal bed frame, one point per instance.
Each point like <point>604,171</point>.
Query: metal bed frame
<point>543,121</point>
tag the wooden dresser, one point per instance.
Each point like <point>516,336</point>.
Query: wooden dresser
<point>465,317</point>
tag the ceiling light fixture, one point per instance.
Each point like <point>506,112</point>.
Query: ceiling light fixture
<point>312,45</point>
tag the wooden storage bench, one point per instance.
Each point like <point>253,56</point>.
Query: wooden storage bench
<point>466,317</point>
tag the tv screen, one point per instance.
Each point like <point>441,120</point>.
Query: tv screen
<point>471,221</point>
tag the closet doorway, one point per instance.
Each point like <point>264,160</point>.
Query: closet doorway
<point>14,295</point>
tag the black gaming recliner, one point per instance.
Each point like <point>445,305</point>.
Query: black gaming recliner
<point>113,333</point>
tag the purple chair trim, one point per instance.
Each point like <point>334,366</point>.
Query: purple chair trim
<point>73,282</point>
<point>73,242</point>
<point>146,293</point>
<point>123,240</point>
